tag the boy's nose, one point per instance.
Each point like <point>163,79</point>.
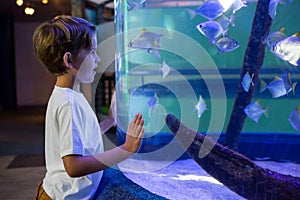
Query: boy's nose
<point>98,59</point>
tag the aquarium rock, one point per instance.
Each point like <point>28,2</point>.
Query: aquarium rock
<point>234,170</point>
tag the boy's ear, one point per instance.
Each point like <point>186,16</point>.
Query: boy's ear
<point>68,59</point>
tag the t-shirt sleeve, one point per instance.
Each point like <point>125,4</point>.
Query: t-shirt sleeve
<point>70,127</point>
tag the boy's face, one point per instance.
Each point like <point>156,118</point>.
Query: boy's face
<point>86,62</point>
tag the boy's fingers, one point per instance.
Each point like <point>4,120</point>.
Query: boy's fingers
<point>135,118</point>
<point>136,125</point>
<point>142,122</point>
<point>141,133</point>
<point>130,129</point>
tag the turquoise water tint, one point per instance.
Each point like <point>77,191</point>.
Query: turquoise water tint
<point>196,69</point>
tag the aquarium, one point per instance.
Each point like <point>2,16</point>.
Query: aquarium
<point>226,69</point>
<point>170,59</point>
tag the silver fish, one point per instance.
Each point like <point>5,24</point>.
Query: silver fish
<point>279,86</point>
<point>288,49</point>
<point>200,106</point>
<point>210,10</point>
<point>226,44</point>
<point>210,29</point>
<point>237,5</point>
<point>133,3</point>
<point>232,20</point>
<point>288,85</point>
<point>274,37</point>
<point>224,21</point>
<point>247,81</point>
<point>273,6</point>
<point>254,110</point>
<point>146,40</point>
<point>294,119</point>
<point>193,13</point>
<point>155,52</point>
<point>165,69</point>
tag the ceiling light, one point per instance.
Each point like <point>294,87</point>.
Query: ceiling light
<point>29,11</point>
<point>19,2</point>
<point>44,1</point>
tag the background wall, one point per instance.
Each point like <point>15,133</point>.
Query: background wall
<point>33,82</point>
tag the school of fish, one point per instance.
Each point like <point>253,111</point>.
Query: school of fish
<point>215,29</point>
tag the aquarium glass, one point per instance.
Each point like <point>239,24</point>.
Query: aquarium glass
<point>164,64</point>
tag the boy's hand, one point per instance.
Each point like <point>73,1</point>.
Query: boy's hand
<point>134,134</point>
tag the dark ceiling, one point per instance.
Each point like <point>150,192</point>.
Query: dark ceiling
<point>42,12</point>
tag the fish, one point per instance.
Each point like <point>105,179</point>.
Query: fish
<point>288,49</point>
<point>254,110</point>
<point>146,40</point>
<point>237,5</point>
<point>224,21</point>
<point>209,9</point>
<point>153,101</point>
<point>276,87</point>
<point>155,52</point>
<point>294,119</point>
<point>274,37</point>
<point>165,69</point>
<point>247,81</point>
<point>280,86</point>
<point>210,29</point>
<point>193,13</point>
<point>133,3</point>
<point>288,85</point>
<point>232,20</point>
<point>273,7</point>
<point>226,44</point>
<point>226,4</point>
<point>200,107</point>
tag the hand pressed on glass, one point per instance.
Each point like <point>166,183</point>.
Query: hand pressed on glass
<point>134,134</point>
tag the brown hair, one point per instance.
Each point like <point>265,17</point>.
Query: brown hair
<point>52,39</point>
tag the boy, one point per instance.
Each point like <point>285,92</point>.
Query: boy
<point>74,154</point>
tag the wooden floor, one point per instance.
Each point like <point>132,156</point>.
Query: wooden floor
<point>22,164</point>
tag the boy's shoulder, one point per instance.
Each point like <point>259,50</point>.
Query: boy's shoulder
<point>61,96</point>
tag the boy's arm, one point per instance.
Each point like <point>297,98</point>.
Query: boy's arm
<point>106,124</point>
<point>77,165</point>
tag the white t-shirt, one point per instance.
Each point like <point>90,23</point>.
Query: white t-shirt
<point>71,128</point>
